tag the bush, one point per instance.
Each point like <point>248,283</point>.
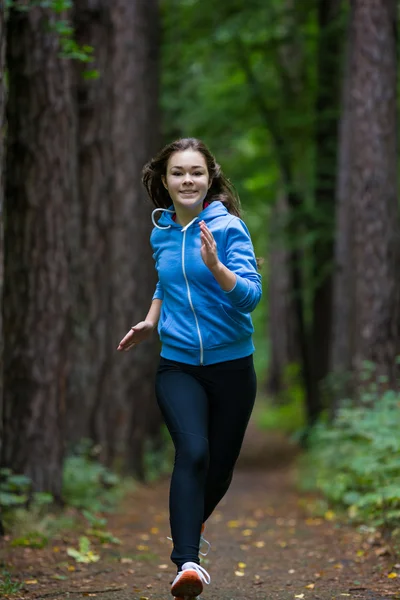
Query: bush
<point>355,462</point>
<point>87,484</point>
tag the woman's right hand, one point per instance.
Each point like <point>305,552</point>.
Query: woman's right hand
<point>136,334</point>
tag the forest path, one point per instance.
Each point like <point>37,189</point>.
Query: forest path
<point>265,545</point>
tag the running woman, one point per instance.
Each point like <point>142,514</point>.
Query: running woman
<point>208,285</point>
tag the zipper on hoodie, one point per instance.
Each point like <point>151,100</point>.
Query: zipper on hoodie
<point>189,294</point>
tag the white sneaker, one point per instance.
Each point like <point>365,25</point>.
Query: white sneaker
<point>189,581</point>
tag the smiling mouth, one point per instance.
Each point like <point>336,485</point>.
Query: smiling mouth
<point>188,192</point>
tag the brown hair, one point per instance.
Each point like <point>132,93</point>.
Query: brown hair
<point>221,188</point>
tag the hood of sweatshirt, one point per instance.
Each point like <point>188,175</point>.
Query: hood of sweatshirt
<point>212,211</point>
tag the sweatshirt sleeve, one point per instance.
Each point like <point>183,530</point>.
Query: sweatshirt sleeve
<point>159,292</point>
<point>240,259</point>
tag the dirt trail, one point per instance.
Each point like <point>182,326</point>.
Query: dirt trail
<point>264,546</point>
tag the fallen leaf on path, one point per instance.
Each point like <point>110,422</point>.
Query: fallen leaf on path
<point>154,530</point>
<point>242,565</point>
<point>126,561</point>
<point>142,547</point>
<point>244,546</point>
<point>382,551</point>
<point>144,536</point>
<point>233,524</point>
<point>251,523</point>
<point>299,596</point>
<point>310,586</point>
<point>259,544</point>
<point>247,532</point>
<point>163,566</point>
<point>314,522</point>
<point>239,573</point>
<point>31,581</point>
<point>392,575</point>
<point>329,515</point>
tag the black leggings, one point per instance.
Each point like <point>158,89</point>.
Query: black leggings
<point>206,410</point>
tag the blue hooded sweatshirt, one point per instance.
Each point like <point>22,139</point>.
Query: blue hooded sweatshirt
<point>200,324</point>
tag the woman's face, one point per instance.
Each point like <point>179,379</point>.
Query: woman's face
<point>187,180</point>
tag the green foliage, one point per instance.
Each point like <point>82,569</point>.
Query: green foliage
<point>355,462</point>
<point>84,554</point>
<point>87,484</point>
<point>69,48</point>
<point>97,529</point>
<point>158,460</point>
<point>14,489</point>
<point>286,413</point>
<point>7,585</point>
<point>104,537</point>
<point>33,539</point>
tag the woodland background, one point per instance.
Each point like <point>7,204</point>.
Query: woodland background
<point>298,101</point>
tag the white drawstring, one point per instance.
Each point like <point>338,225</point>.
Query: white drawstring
<point>163,210</point>
<point>202,541</point>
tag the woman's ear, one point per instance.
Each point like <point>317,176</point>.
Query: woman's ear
<point>210,184</point>
<point>164,181</point>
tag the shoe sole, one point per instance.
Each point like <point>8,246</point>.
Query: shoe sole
<point>188,586</point>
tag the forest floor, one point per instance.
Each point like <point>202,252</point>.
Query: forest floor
<point>266,544</point>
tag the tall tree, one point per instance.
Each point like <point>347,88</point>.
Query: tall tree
<point>374,202</point>
<point>343,288</point>
<point>2,137</point>
<point>281,315</point>
<point>40,183</point>
<point>119,131</point>
<point>92,346</point>
<point>134,137</point>
<point>328,58</point>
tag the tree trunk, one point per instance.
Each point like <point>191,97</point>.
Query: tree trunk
<point>343,288</point>
<point>327,101</point>
<point>2,143</point>
<point>135,137</point>
<point>40,185</point>
<point>281,314</point>
<point>119,131</point>
<point>374,184</point>
<point>92,348</point>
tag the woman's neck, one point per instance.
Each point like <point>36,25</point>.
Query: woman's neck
<point>184,217</point>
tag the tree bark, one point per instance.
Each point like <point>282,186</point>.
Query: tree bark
<point>92,346</point>
<point>119,131</point>
<point>327,108</point>
<point>40,185</point>
<point>2,144</point>
<point>281,314</point>
<point>135,137</point>
<point>343,286</point>
<point>374,184</point>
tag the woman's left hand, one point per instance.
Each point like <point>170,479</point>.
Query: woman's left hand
<point>209,251</point>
